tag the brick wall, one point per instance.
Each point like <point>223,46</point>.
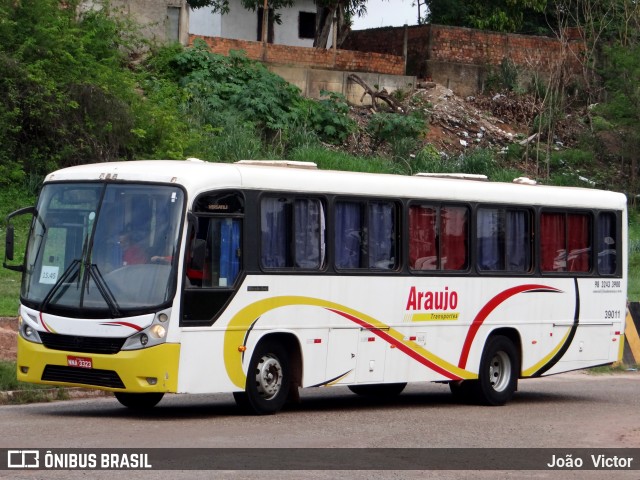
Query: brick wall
<point>430,47</point>
<point>349,60</point>
<point>465,45</point>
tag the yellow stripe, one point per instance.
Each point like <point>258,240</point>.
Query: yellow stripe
<point>240,323</point>
<point>632,337</point>
<point>338,379</point>
<point>435,317</point>
<point>530,371</point>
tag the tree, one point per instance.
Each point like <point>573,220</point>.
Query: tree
<point>344,11</point>
<point>497,15</point>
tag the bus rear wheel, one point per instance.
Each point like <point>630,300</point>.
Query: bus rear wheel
<point>499,371</point>
<point>268,380</point>
<point>139,401</point>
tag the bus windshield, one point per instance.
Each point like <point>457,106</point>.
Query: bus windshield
<point>103,249</point>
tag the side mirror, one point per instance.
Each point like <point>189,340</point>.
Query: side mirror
<point>9,243</point>
<point>9,247</point>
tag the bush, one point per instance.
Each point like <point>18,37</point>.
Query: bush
<point>392,127</point>
<point>329,117</point>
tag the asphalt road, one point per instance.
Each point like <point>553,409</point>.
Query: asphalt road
<point>575,410</point>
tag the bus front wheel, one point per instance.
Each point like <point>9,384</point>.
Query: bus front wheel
<point>268,379</point>
<point>139,401</point>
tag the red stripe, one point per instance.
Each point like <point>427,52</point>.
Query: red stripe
<point>124,324</point>
<point>388,338</point>
<point>44,325</point>
<point>490,307</point>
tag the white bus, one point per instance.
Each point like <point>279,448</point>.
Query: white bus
<point>150,277</point>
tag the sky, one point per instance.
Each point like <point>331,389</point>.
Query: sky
<point>387,13</point>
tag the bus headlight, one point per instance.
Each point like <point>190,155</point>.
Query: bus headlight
<point>28,332</point>
<point>158,331</point>
<point>154,334</point>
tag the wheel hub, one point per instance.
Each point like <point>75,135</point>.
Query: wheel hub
<point>500,371</point>
<point>268,376</point>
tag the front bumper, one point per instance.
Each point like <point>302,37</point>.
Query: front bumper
<point>153,369</point>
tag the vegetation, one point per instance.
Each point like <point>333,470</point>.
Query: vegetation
<point>83,86</point>
<point>499,15</point>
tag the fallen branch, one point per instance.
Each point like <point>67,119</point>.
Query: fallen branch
<point>382,94</point>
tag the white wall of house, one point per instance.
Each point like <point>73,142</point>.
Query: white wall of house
<point>203,21</point>
<point>242,24</point>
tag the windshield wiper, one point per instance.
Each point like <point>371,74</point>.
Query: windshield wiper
<point>66,278</point>
<point>104,289</point>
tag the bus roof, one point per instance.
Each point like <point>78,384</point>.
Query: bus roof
<point>197,176</point>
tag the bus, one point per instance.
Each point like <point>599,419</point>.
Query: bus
<point>260,278</point>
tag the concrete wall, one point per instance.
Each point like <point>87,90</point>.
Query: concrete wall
<point>153,16</point>
<point>312,82</point>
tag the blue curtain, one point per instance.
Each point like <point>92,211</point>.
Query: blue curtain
<point>348,234</point>
<point>229,249</point>
<point>309,233</point>
<point>490,238</point>
<point>275,227</point>
<point>519,241</point>
<point>381,235</point>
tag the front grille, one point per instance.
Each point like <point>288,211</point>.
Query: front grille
<point>73,343</point>
<point>84,376</point>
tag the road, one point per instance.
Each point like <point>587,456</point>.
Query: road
<point>575,410</point>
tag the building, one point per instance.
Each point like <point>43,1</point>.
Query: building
<point>174,20</point>
<point>296,28</point>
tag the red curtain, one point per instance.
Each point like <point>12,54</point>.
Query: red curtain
<point>553,254</point>
<point>423,254</point>
<point>578,243</point>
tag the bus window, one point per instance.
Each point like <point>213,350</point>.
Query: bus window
<point>565,242</point>
<point>607,244</point>
<point>504,240</point>
<point>438,237</point>
<point>213,259</point>
<point>423,250</point>
<point>292,231</point>
<point>365,235</point>
<point>454,225</point>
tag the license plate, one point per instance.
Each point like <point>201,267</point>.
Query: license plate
<point>80,362</point>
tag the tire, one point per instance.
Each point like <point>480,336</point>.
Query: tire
<point>139,401</point>
<point>268,380</point>
<point>379,390</point>
<point>499,372</point>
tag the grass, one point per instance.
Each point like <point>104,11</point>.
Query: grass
<point>615,368</point>
<point>26,392</point>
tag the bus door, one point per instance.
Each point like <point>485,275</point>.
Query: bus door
<point>213,257</point>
